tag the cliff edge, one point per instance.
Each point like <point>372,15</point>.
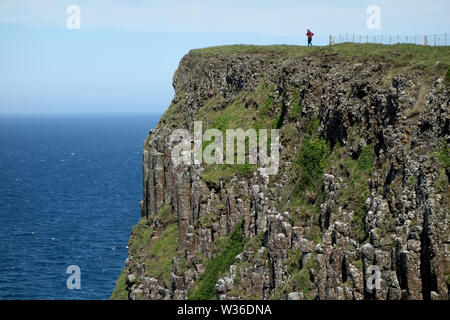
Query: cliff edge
<point>362,188</point>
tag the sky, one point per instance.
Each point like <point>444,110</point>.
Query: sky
<point>123,56</point>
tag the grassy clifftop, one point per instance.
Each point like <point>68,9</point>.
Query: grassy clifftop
<point>396,52</point>
<point>401,56</point>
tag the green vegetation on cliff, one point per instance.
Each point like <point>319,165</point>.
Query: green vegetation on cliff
<point>355,174</point>
<point>155,247</point>
<point>159,255</point>
<point>241,113</point>
<point>120,290</point>
<point>226,256</point>
<point>312,158</point>
<point>443,156</point>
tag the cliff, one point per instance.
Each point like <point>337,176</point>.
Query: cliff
<point>363,178</point>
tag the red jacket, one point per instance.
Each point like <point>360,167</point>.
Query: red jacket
<point>309,34</point>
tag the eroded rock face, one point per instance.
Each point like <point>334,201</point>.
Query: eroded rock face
<point>404,216</point>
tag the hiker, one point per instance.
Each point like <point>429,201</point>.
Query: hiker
<point>309,34</point>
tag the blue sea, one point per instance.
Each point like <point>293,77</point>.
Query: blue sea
<point>70,188</point>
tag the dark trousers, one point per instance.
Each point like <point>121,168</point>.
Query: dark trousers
<point>309,42</point>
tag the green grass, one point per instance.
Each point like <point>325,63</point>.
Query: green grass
<point>365,159</point>
<point>314,233</point>
<point>399,54</point>
<point>165,214</point>
<point>278,122</point>
<point>236,115</point>
<point>355,196</point>
<point>443,157</point>
<point>359,224</point>
<point>249,109</point>
<point>174,116</point>
<point>267,107</point>
<point>218,265</point>
<point>305,211</point>
<point>120,290</point>
<point>356,174</point>
<point>443,154</point>
<point>299,280</point>
<point>305,192</point>
<point>224,172</point>
<point>358,264</point>
<point>146,142</point>
<point>312,158</point>
<point>296,107</point>
<point>255,243</point>
<point>206,220</point>
<point>415,54</point>
<point>156,254</point>
<point>412,180</point>
<point>140,236</point>
<point>441,184</point>
<point>358,189</point>
<point>253,49</point>
<point>293,261</point>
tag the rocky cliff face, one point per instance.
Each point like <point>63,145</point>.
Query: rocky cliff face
<point>363,180</point>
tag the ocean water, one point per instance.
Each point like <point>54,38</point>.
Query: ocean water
<point>70,188</point>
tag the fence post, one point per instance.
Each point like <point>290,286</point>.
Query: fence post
<point>360,38</point>
<point>425,40</point>
<point>390,39</point>
<point>434,40</point>
<point>415,39</point>
<point>346,37</point>
<point>353,39</point>
<point>398,39</point>
<point>445,39</point>
<point>340,39</point>
<point>406,39</point>
<point>331,40</point>
<point>367,39</point>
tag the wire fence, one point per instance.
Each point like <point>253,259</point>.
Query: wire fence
<point>424,39</point>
